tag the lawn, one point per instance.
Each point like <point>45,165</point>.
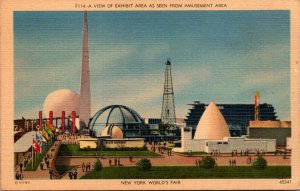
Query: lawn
<point>38,158</point>
<point>63,169</point>
<point>190,172</point>
<point>73,150</point>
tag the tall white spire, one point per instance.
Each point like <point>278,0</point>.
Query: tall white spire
<point>85,92</point>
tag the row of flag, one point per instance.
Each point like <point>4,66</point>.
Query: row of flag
<point>42,136</point>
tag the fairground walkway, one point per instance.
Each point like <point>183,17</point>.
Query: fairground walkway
<point>164,160</point>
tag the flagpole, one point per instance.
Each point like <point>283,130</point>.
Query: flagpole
<point>32,154</point>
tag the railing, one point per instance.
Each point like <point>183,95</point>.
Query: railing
<point>57,145</point>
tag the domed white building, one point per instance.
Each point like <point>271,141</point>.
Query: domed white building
<point>212,124</point>
<point>61,100</point>
<point>112,132</point>
<point>212,134</point>
<point>127,119</point>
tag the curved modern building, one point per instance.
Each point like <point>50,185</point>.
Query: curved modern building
<point>124,117</point>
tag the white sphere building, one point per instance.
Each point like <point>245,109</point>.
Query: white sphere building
<point>61,100</point>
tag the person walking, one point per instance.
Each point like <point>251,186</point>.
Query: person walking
<point>130,158</point>
<point>75,174</point>
<point>119,162</point>
<point>17,175</point>
<point>71,175</point>
<point>51,173</point>
<point>47,162</point>
<point>25,162</point>
<point>83,167</point>
<point>89,166</point>
<point>115,161</point>
<point>42,165</point>
<point>21,167</point>
<point>86,167</point>
<point>199,162</point>
<point>109,162</point>
<point>21,176</point>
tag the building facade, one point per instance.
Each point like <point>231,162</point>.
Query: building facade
<point>279,130</point>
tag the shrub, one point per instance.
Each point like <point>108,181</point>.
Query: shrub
<point>144,164</point>
<point>259,163</point>
<point>98,165</point>
<point>208,162</point>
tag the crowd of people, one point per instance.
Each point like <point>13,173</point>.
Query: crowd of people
<point>198,162</point>
<point>232,162</point>
<point>69,139</point>
<point>19,175</point>
<point>86,167</point>
<point>242,152</point>
<point>73,174</point>
<point>117,162</point>
<point>215,152</point>
<point>46,160</point>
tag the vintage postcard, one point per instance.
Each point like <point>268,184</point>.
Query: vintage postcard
<point>150,95</point>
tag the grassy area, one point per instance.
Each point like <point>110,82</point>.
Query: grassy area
<point>73,150</point>
<point>189,172</point>
<point>38,158</point>
<point>63,169</point>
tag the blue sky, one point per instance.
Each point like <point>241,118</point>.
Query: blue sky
<point>220,56</point>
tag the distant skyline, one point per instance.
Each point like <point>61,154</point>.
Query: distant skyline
<point>220,56</point>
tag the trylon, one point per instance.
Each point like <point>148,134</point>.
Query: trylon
<point>168,107</point>
<point>85,92</point>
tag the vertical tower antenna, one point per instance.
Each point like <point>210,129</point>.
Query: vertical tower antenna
<point>85,92</point>
<point>168,107</point>
<point>256,106</point>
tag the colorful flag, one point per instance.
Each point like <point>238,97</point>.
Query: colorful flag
<point>48,130</point>
<point>45,134</point>
<point>40,136</point>
<point>51,127</point>
<point>36,147</point>
<point>39,141</point>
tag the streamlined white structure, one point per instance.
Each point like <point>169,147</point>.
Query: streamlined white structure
<point>212,134</point>
<point>212,124</point>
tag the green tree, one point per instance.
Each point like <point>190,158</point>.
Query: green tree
<point>98,165</point>
<point>208,162</point>
<point>259,163</point>
<point>144,164</point>
<point>168,128</point>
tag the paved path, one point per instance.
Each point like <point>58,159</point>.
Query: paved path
<point>164,160</point>
<point>174,160</point>
<point>42,174</point>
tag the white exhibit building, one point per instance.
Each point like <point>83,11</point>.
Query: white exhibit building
<point>212,134</point>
